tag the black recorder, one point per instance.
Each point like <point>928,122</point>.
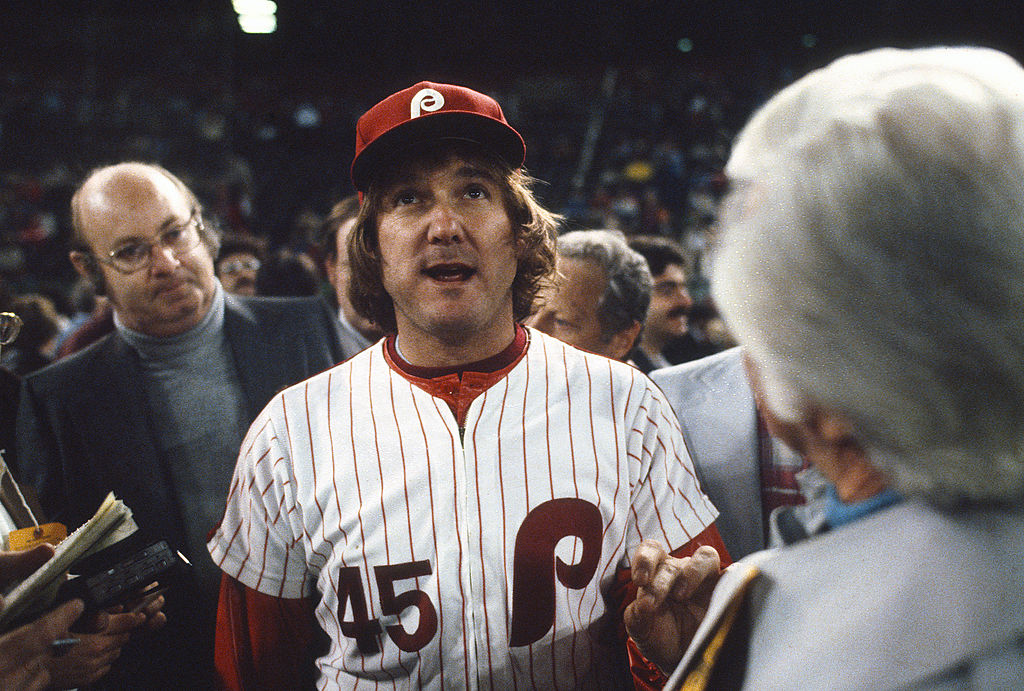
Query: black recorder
<point>118,574</point>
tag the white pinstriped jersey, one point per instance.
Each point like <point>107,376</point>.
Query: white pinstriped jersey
<point>455,561</point>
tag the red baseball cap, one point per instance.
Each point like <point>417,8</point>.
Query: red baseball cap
<point>429,111</point>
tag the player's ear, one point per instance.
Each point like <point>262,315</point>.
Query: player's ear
<point>87,267</point>
<point>622,342</point>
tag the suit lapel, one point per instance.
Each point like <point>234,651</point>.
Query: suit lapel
<point>124,443</point>
<point>252,362</point>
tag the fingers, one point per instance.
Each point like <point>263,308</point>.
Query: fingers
<point>57,623</point>
<point>25,652</point>
<point>696,574</point>
<point>648,557</point>
<point>660,576</point>
<point>89,660</point>
<point>672,598</point>
<point>156,622</point>
<point>123,623</point>
<point>18,565</point>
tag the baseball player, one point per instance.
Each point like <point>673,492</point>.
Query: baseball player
<point>458,502</point>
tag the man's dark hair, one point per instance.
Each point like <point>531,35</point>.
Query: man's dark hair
<point>659,252</point>
<point>327,235</point>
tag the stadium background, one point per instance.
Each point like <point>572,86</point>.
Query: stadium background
<point>628,108</point>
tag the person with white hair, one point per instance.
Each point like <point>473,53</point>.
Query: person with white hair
<point>870,262</point>
<point>599,301</point>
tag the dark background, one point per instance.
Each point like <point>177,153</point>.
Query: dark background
<point>262,125</point>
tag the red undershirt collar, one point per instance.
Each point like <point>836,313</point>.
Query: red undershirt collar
<point>459,386</point>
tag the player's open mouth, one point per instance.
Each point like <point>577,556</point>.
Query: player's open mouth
<point>450,272</point>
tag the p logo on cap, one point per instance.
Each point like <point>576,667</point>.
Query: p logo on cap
<point>426,99</point>
<point>428,112</point>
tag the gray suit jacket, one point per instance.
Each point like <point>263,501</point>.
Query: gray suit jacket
<point>83,422</point>
<point>715,407</point>
<point>907,598</point>
<point>84,429</point>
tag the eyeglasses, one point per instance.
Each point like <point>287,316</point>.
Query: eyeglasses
<point>234,266</point>
<point>135,255</point>
<point>10,325</point>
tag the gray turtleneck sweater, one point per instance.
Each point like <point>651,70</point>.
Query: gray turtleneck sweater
<point>199,410</point>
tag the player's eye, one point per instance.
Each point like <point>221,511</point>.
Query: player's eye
<point>404,198</point>
<point>476,191</point>
<point>131,252</point>
<point>564,324</point>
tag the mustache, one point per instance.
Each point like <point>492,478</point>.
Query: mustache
<point>447,255</point>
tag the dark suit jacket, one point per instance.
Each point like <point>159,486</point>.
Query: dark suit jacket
<point>84,427</point>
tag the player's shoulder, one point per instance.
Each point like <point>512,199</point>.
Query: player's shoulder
<point>340,376</point>
<point>558,355</point>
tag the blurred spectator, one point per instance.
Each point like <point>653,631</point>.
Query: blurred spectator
<point>357,331</point>
<point>667,323</point>
<point>82,300</point>
<point>238,261</point>
<point>33,348</point>
<point>287,273</point>
<point>600,300</point>
<point>98,325</point>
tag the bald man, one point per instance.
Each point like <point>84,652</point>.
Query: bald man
<point>156,411</point>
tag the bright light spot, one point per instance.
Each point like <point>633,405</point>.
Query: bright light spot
<point>809,40</point>
<point>257,23</point>
<point>685,45</point>
<point>255,6</point>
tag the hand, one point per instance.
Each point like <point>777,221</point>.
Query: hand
<point>16,566</point>
<point>25,653</point>
<point>106,633</point>
<point>671,601</point>
<point>98,647</point>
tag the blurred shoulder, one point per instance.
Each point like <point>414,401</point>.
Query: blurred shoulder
<point>719,373</point>
<point>289,308</point>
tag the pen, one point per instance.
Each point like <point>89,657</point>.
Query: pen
<point>61,645</point>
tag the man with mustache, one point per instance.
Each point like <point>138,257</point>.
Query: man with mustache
<point>666,338</point>
<point>460,501</point>
<point>156,410</point>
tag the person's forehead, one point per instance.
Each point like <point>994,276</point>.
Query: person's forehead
<point>133,206</point>
<point>236,254</point>
<point>583,282</point>
<point>672,272</point>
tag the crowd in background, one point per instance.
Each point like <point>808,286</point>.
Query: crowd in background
<point>638,149</point>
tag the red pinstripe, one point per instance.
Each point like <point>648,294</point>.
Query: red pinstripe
<point>483,563</point>
<point>359,498</point>
<point>651,470</point>
<point>408,503</point>
<point>433,521</point>
<point>458,537</point>
<point>329,402</point>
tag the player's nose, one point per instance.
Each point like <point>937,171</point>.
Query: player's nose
<point>444,224</point>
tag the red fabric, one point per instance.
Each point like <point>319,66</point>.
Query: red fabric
<point>262,642</point>
<point>646,675</point>
<point>458,386</point>
<point>428,111</point>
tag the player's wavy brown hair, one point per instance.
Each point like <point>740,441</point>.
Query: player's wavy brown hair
<point>534,232</point>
